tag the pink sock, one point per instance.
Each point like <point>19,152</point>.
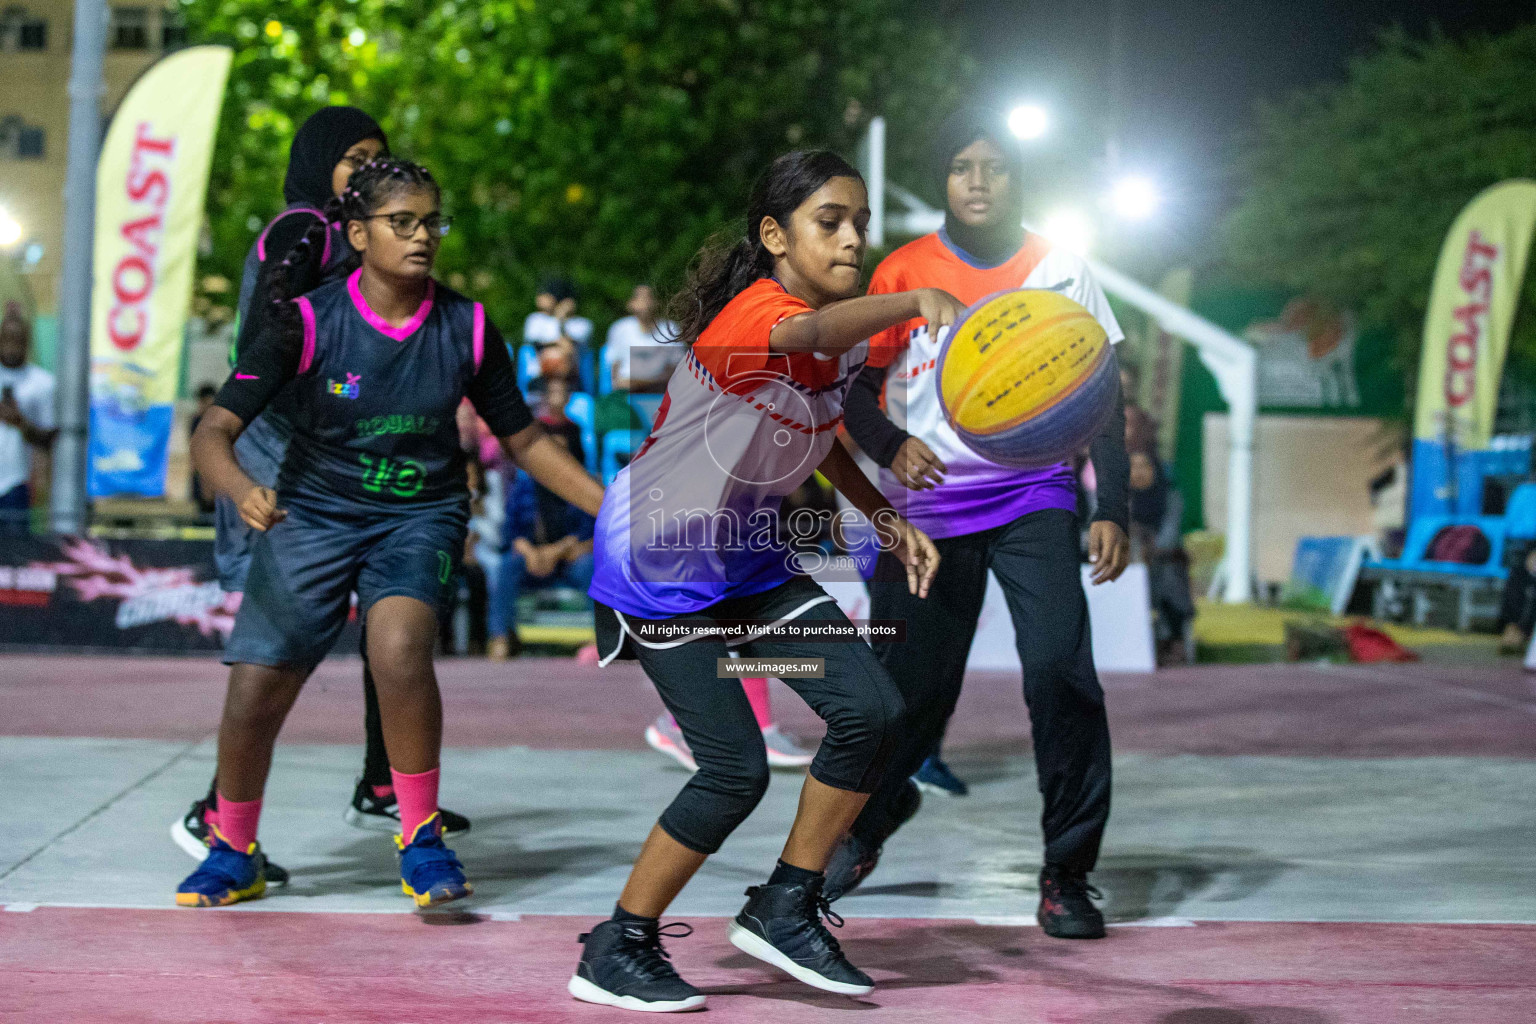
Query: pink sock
<point>757,696</point>
<point>417,796</point>
<point>237,821</point>
<point>383,792</point>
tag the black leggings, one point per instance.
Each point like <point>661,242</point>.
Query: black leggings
<point>1036,561</point>
<point>857,700</point>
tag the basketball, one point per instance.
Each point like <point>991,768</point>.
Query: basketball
<point>1027,378</point>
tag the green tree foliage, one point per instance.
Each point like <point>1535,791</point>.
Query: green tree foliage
<point>1349,189</point>
<point>606,138</point>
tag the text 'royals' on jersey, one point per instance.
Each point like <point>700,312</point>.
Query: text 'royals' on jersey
<point>373,405</point>
<point>977,494</point>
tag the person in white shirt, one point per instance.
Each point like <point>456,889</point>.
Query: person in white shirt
<point>640,353</point>
<point>26,418</point>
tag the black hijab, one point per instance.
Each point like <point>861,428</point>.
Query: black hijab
<point>318,147</point>
<point>967,125</point>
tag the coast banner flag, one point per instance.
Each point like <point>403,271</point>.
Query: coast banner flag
<point>1466,333</point>
<point>1471,307</point>
<point>150,188</point>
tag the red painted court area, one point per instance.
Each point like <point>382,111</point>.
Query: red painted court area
<point>159,966</point>
<point>100,965</point>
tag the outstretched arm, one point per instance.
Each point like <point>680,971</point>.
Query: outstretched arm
<point>837,327</point>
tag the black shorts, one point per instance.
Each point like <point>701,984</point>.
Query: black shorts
<point>304,570</point>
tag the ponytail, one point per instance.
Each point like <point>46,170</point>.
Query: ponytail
<point>727,266</point>
<point>285,284</point>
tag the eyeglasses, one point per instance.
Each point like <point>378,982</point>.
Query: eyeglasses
<point>405,224</point>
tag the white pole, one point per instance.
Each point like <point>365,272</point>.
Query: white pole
<point>877,182</point>
<point>1236,366</point>
<point>74,359</point>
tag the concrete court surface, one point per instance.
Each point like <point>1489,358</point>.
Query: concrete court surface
<point>1289,845</point>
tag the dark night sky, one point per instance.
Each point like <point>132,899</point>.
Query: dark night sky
<point>1192,76</point>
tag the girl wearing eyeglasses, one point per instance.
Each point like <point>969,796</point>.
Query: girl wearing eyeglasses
<point>371,498</point>
<point>308,243</point>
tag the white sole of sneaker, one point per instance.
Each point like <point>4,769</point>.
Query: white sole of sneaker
<point>659,743</point>
<point>189,843</point>
<point>587,992</point>
<point>754,945</point>
<point>932,790</point>
<point>370,822</point>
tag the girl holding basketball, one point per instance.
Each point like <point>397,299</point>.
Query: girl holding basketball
<point>689,564</point>
<point>371,497</point>
<point>1020,524</point>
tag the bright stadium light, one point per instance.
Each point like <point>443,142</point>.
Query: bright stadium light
<point>1028,121</point>
<point>10,231</point>
<point>1134,197</point>
<point>1070,229</point>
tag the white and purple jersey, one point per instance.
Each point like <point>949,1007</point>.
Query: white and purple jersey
<point>977,494</point>
<point>694,518</point>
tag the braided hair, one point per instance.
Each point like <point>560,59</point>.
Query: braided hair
<point>728,265</point>
<point>369,188</point>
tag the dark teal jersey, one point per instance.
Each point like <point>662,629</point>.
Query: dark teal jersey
<point>373,406</point>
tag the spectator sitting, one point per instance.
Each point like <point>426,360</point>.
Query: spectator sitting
<point>1157,512</point>
<point>549,540</point>
<point>554,329</point>
<point>639,355</point>
<point>26,419</point>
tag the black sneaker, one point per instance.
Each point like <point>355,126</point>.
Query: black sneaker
<point>781,925</point>
<point>1066,910</point>
<point>382,813</point>
<point>851,862</point>
<point>853,859</point>
<point>624,965</point>
<point>190,832</point>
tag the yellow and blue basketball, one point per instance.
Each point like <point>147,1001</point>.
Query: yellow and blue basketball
<point>1027,378</point>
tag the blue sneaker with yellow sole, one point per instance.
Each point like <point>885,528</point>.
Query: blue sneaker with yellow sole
<point>429,872</point>
<point>225,876</point>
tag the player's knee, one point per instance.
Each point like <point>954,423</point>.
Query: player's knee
<point>867,719</point>
<point>740,783</point>
<point>399,654</point>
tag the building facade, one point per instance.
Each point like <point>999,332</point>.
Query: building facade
<point>35,41</point>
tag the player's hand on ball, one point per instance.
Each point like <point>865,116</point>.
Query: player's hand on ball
<point>917,553</point>
<point>917,467</point>
<point>939,308</point>
<point>1108,549</point>
<point>259,509</point>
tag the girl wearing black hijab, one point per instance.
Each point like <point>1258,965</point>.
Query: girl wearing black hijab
<point>1019,524</point>
<point>305,242</point>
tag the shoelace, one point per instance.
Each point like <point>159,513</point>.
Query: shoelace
<point>651,959</point>
<point>820,907</point>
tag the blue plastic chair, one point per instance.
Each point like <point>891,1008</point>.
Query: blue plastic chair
<point>604,378</point>
<point>1520,513</point>
<point>646,407</point>
<point>616,443</point>
<point>582,411</point>
<point>587,366</point>
<point>527,366</point>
